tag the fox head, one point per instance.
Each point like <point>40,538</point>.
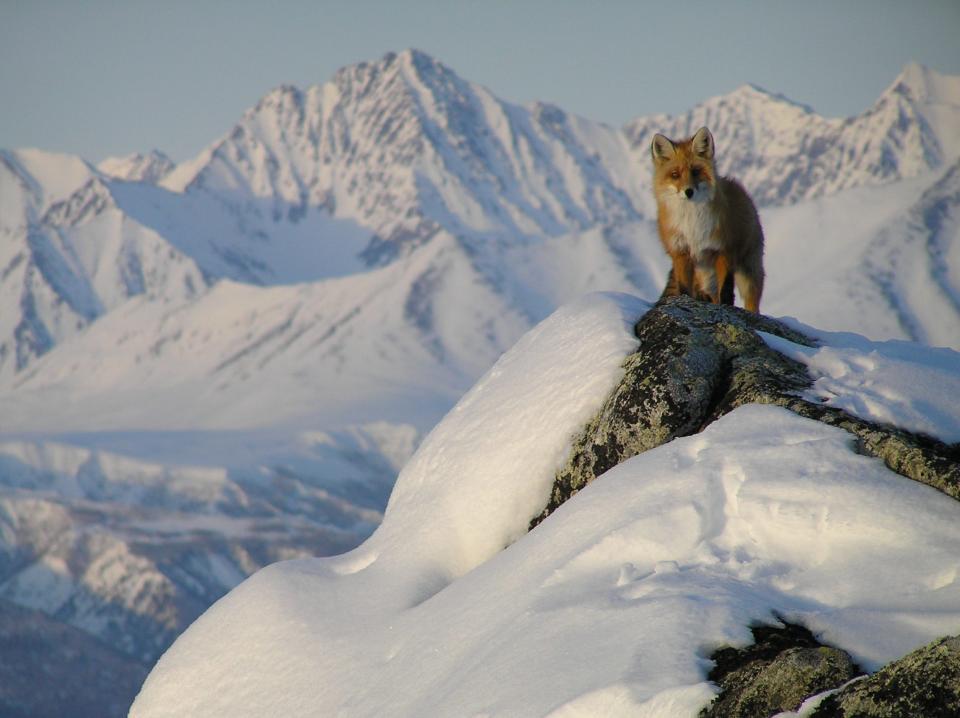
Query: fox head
<point>685,169</point>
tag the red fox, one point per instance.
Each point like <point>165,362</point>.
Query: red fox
<point>708,224</point>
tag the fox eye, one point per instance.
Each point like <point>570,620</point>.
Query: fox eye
<point>675,174</point>
<point>695,172</point>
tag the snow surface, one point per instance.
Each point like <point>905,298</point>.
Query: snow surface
<point>894,382</point>
<point>610,606</point>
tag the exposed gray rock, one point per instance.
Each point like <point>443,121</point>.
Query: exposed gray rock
<point>923,683</point>
<point>698,361</point>
<point>785,665</point>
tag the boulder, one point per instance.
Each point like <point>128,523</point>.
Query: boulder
<point>923,683</point>
<point>783,666</point>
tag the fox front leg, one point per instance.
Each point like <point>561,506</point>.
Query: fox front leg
<point>705,278</point>
<point>680,280</point>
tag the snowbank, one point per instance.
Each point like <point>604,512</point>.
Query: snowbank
<point>611,604</point>
<point>894,382</point>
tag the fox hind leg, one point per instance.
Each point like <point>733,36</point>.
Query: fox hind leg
<point>724,281</point>
<point>726,291</point>
<point>750,287</point>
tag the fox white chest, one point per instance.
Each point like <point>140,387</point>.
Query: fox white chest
<point>693,222</point>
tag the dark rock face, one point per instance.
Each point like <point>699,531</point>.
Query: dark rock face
<point>923,683</point>
<point>699,361</point>
<point>777,673</point>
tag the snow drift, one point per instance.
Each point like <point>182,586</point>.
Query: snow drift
<point>611,605</point>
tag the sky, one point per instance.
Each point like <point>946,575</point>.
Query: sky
<point>99,78</point>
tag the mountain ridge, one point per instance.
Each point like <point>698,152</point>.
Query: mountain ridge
<point>394,151</point>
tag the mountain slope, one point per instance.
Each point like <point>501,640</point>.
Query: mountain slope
<point>93,680</point>
<point>137,167</point>
<point>242,355</point>
<point>77,261</point>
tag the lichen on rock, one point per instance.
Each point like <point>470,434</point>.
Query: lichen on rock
<point>698,361</point>
<point>785,665</point>
<point>924,683</point>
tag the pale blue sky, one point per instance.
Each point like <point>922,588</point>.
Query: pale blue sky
<point>100,78</point>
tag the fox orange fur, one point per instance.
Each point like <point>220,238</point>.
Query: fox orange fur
<point>708,224</point>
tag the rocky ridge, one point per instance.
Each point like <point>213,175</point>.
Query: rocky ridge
<point>699,361</point>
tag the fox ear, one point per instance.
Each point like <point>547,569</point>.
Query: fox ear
<point>662,148</point>
<point>703,144</point>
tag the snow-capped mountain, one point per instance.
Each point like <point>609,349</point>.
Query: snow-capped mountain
<point>353,173</point>
<point>129,550</point>
<point>406,147</point>
<point>785,153</point>
<point>68,258</point>
<point>353,255</point>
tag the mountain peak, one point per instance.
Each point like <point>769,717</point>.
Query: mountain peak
<point>410,60</point>
<point>923,84</point>
<point>754,93</point>
<point>415,57</point>
<point>281,91</point>
<point>138,167</point>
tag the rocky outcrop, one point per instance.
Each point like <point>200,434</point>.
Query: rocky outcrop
<point>923,683</point>
<point>696,362</point>
<point>699,361</point>
<point>783,666</point>
<point>787,665</point>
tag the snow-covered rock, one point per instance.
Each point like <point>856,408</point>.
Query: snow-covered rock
<point>609,605</point>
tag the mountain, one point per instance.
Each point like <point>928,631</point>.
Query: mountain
<point>69,258</point>
<point>108,557</point>
<point>338,178</point>
<point>267,329</point>
<point>406,147</point>
<point>785,153</point>
<point>92,680</point>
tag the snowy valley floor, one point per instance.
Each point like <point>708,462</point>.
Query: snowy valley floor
<point>612,605</point>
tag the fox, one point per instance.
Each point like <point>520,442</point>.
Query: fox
<point>708,224</point>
